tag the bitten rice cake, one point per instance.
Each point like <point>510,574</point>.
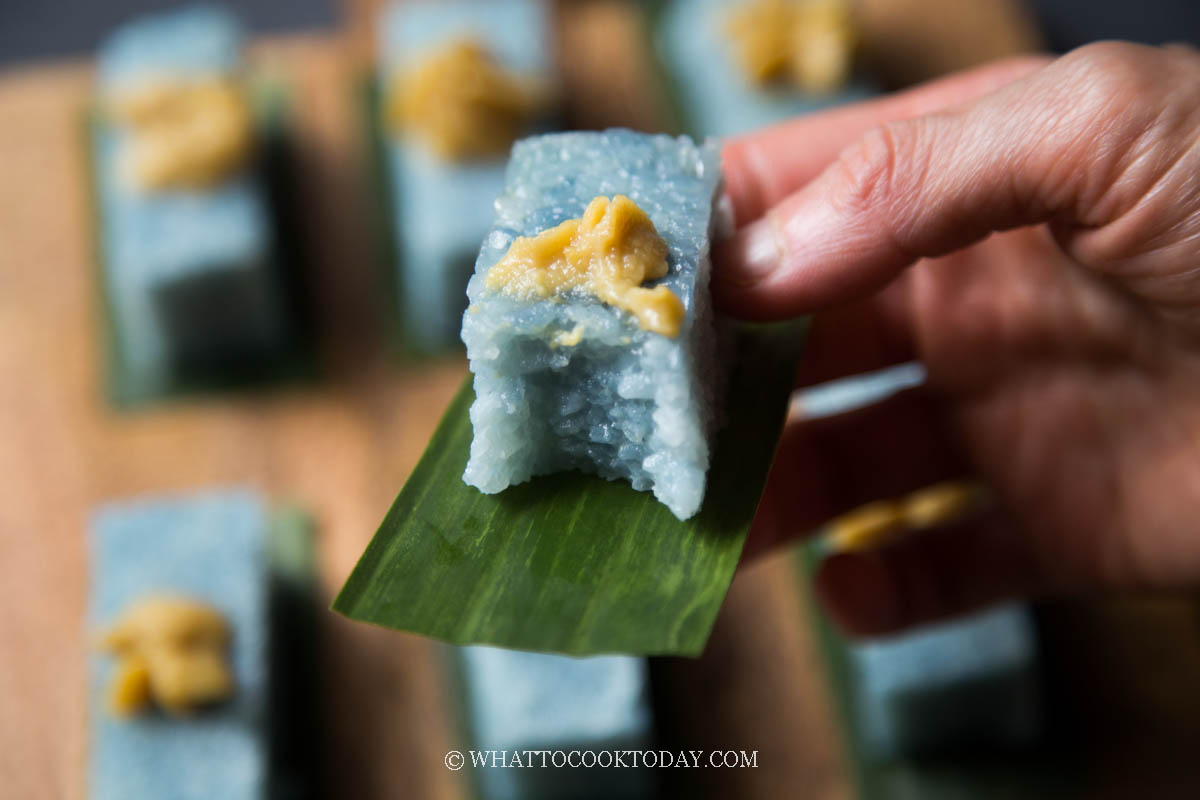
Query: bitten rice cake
<point>577,364</point>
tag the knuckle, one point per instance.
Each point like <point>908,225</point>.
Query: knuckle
<point>1115,76</point>
<point>1128,110</point>
<point>870,168</point>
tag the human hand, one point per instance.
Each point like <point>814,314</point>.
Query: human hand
<point>1031,233</point>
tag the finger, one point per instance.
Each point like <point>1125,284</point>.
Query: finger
<point>858,337</point>
<point>1079,142</point>
<point>826,467</point>
<point>928,577</point>
<point>762,168</point>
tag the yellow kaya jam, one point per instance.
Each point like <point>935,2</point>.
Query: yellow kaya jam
<point>941,503</point>
<point>609,253</point>
<point>568,338</point>
<point>170,651</point>
<point>882,522</point>
<point>807,42</point>
<point>185,133</point>
<point>463,103</point>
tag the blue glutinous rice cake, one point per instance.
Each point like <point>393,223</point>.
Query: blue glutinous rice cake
<point>208,548</point>
<point>705,46</point>
<point>185,231</point>
<point>591,331</point>
<point>521,705</point>
<point>968,682</point>
<point>460,81</point>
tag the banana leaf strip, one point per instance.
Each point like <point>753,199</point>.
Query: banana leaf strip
<point>573,563</point>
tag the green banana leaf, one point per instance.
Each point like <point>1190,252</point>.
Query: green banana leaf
<point>573,563</point>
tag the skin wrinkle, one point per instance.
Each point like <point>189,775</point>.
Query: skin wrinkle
<point>1131,139</point>
<point>925,139</point>
<point>868,169</point>
<point>1027,169</point>
<point>1048,165</point>
<point>1182,230</point>
<point>1172,294</point>
<point>1085,168</point>
<point>953,189</point>
<point>1172,297</point>
<point>1018,164</point>
<point>1091,124</point>
<point>1112,249</point>
<point>868,172</point>
<point>1165,167</point>
<point>1125,197</point>
<point>946,92</point>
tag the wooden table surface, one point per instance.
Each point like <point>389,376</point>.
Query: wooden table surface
<point>341,447</point>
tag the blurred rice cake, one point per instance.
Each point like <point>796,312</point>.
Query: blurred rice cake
<point>187,230</point>
<point>968,683</point>
<point>222,555</point>
<point>738,65</point>
<point>458,80</point>
<point>517,701</point>
<point>908,41</point>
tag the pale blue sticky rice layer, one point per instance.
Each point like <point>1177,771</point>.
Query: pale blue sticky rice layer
<point>195,39</point>
<point>442,209</point>
<point>517,701</point>
<point>623,403</point>
<point>151,239</point>
<point>211,547</point>
<point>972,681</point>
<point>716,96</point>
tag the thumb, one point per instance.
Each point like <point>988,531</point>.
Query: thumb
<point>1094,142</point>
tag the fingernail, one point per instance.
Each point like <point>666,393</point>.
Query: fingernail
<point>756,252</point>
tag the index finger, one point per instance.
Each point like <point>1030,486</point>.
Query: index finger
<point>763,167</point>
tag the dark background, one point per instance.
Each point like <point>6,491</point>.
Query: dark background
<point>32,30</point>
